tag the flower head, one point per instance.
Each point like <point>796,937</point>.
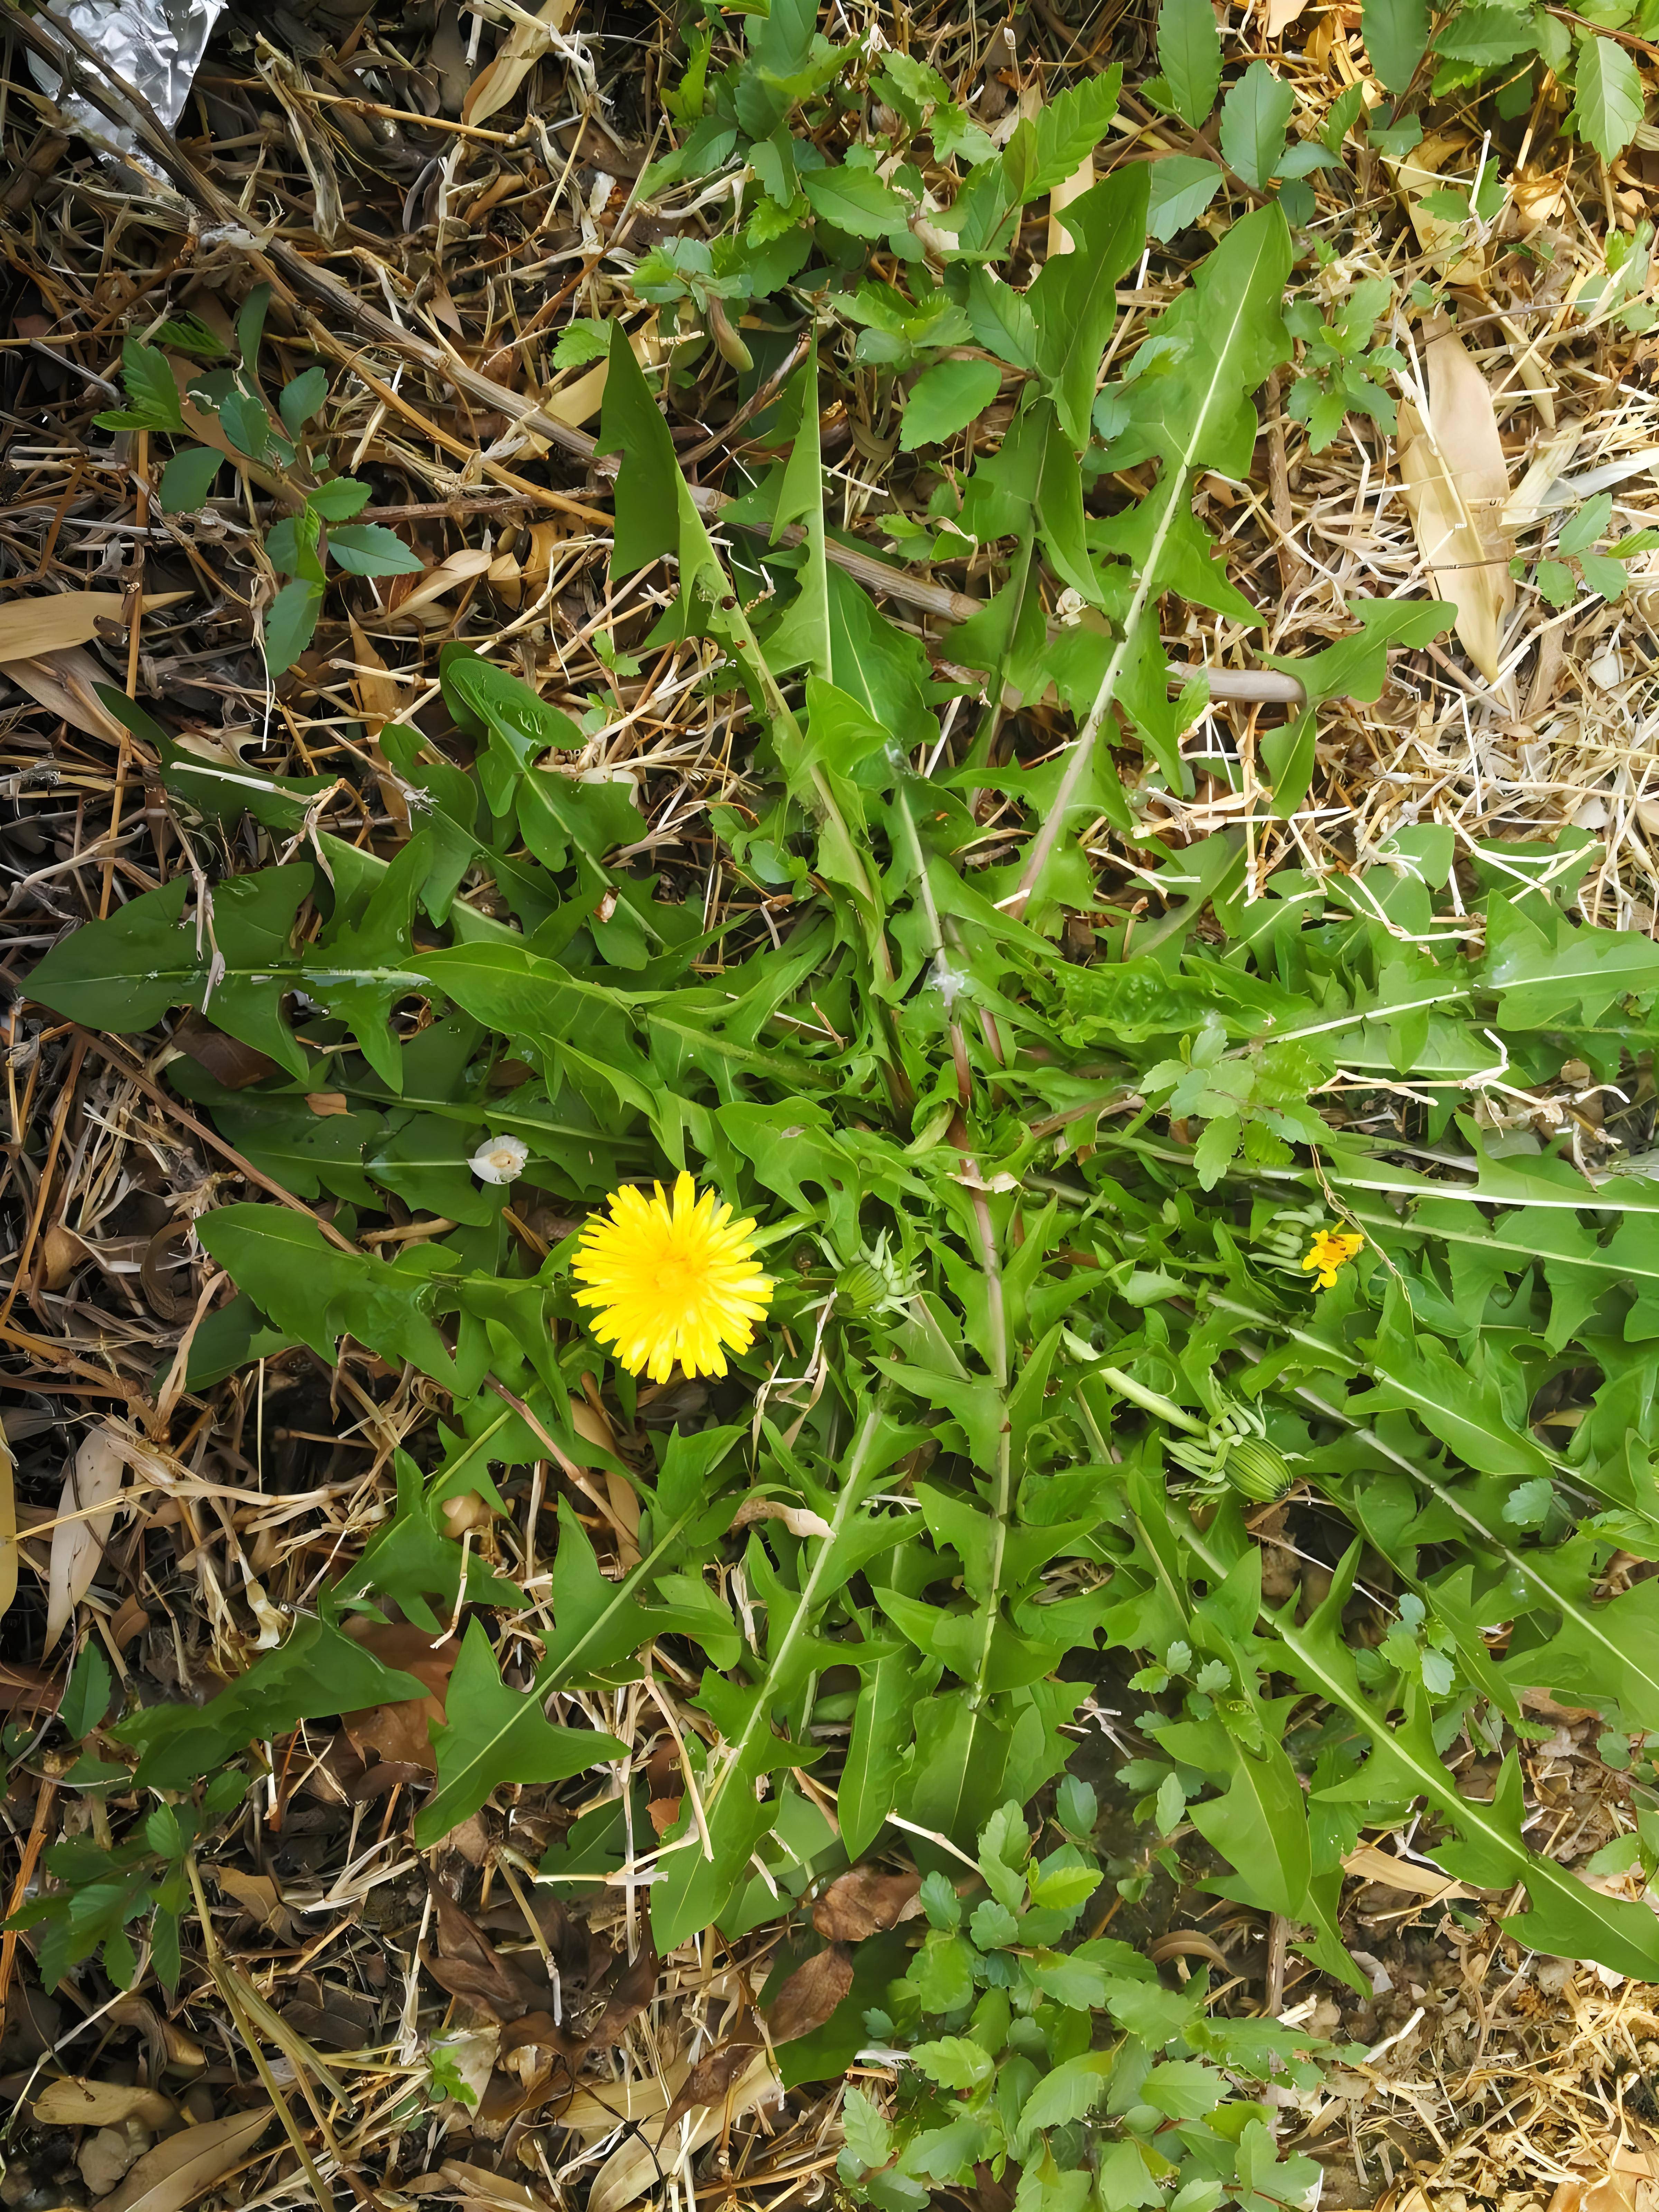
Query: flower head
<point>500,1159</point>
<point>1331,1248</point>
<point>674,1280</point>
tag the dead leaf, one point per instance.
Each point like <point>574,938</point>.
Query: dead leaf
<point>74,2103</point>
<point>65,683</point>
<point>231,1063</point>
<point>1456,483</point>
<point>864,1901</point>
<point>810,1995</point>
<point>325,1102</point>
<point>459,569</point>
<point>632,2168</point>
<point>478,2185</point>
<point>1613,2192</point>
<point>259,1897</point>
<point>61,1253</point>
<point>630,1993</point>
<point>1281,14</point>
<point>105,2155</point>
<point>799,1520</point>
<point>467,1963</point>
<point>77,1546</point>
<point>1368,1863</point>
<point>399,1732</point>
<point>46,621</point>
<point>187,2165</point>
<point>338,2018</point>
<point>520,51</point>
<point>1417,176</point>
<point>129,1621</point>
<point>165,2045</point>
<point>664,1793</point>
<point>710,2079</point>
<point>1188,1943</point>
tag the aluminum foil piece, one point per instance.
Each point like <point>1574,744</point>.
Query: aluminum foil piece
<point>156,45</point>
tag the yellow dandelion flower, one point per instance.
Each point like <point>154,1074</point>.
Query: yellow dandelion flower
<point>1331,1248</point>
<point>674,1280</point>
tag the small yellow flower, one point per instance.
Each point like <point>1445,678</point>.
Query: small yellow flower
<point>1331,1248</point>
<point>676,1279</point>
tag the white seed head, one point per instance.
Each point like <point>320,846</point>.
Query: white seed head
<point>500,1159</point>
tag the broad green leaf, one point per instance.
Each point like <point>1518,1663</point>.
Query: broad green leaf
<point>492,1735</point>
<point>1073,2088</point>
<point>1397,34</point>
<point>1182,187</point>
<point>855,200</point>
<point>954,2061</point>
<point>290,623</point>
<point>298,401</point>
<point>366,548</point>
<point>869,2137</point>
<point>188,478</point>
<point>317,1293</point>
<point>1066,129</point>
<point>1606,105</point>
<point>944,399</point>
<point>86,1700</point>
<point>125,973</point>
<point>1564,1916</point>
<point>875,1751</point>
<point>1255,117</point>
<point>1228,332</point>
<point>316,1672</point>
<point>1072,299</point>
<point>1189,55</point>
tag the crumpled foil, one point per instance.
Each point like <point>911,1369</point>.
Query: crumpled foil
<point>156,45</point>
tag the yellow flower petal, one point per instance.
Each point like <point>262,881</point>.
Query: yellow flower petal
<point>1331,1248</point>
<point>674,1280</point>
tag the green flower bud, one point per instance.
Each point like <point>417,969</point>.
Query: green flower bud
<point>861,1288</point>
<point>1257,1470</point>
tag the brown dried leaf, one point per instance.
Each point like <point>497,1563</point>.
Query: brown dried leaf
<point>632,2168</point>
<point>1370,1864</point>
<point>129,1620</point>
<point>259,1896</point>
<point>48,621</point>
<point>523,48</point>
<point>467,1963</point>
<point>478,2185</point>
<point>74,2103</point>
<point>399,1733</point>
<point>77,1546</point>
<point>61,1253</point>
<point>64,683</point>
<point>810,1995</point>
<point>630,1993</point>
<point>460,568</point>
<point>226,1059</point>
<point>709,2079</point>
<point>863,1901</point>
<point>1456,482</point>
<point>187,2165</point>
